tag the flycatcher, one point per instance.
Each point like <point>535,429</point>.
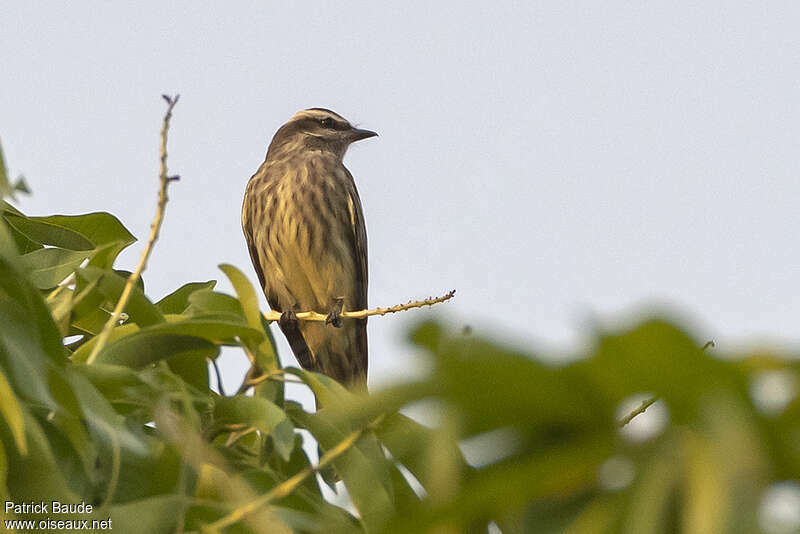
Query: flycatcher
<point>304,226</point>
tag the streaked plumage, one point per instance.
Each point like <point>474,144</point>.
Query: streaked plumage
<point>304,226</point>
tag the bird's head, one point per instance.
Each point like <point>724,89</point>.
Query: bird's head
<point>316,129</point>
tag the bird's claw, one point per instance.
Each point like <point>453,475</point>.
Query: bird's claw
<point>335,315</point>
<point>288,317</point>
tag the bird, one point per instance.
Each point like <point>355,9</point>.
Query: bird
<point>304,225</point>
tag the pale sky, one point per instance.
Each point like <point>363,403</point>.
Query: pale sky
<point>557,163</point>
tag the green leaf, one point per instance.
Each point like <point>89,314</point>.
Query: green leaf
<point>260,413</point>
<point>29,340</point>
<point>82,354</point>
<point>110,284</point>
<point>363,467</point>
<point>47,267</point>
<point>154,515</point>
<point>38,474</point>
<point>209,303</point>
<point>12,413</point>
<point>656,357</point>
<point>244,291</point>
<point>177,301</point>
<point>4,184</point>
<point>328,391</point>
<point>139,347</point>
<point>509,485</point>
<point>7,189</point>
<point>75,232</point>
<point>21,185</point>
<point>3,477</point>
<point>265,353</point>
<point>44,233</point>
<point>11,234</point>
<point>117,383</point>
<point>145,347</point>
<point>192,369</point>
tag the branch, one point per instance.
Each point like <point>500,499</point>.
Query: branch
<point>102,339</point>
<point>290,484</point>
<point>360,314</point>
<point>640,410</point>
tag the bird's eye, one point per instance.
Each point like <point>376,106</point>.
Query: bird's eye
<point>327,122</point>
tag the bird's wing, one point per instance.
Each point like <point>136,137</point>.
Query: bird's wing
<point>358,241</point>
<point>359,245</point>
<point>247,227</point>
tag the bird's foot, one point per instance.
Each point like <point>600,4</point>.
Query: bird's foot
<point>288,318</point>
<point>335,315</point>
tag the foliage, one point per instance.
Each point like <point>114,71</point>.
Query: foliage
<point>141,436</point>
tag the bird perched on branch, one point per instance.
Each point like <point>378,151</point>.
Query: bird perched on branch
<point>304,226</point>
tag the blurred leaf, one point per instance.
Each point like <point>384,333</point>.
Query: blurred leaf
<point>178,300</point>
<point>192,369</point>
<point>12,413</point>
<point>514,388</point>
<point>153,515</point>
<point>4,494</point>
<point>4,185</point>
<point>410,443</point>
<point>7,189</point>
<point>509,485</point>
<point>328,391</point>
<point>29,340</point>
<point>363,467</point>
<point>60,302</point>
<point>38,474</point>
<point>21,185</point>
<point>261,414</point>
<point>656,357</point>
<point>651,506</point>
<point>118,383</point>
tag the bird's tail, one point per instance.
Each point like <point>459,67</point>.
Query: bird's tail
<point>340,353</point>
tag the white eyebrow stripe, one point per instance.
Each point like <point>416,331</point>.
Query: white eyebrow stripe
<point>316,114</point>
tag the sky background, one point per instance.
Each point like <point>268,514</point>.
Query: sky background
<point>559,164</point>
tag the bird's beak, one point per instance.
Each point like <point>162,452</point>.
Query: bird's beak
<point>356,134</point>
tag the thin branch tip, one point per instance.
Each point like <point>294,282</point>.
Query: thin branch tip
<point>273,315</point>
<point>155,227</point>
<point>171,100</point>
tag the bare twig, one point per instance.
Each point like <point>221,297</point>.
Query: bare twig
<point>102,339</point>
<point>640,410</point>
<point>360,314</point>
<point>290,484</point>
